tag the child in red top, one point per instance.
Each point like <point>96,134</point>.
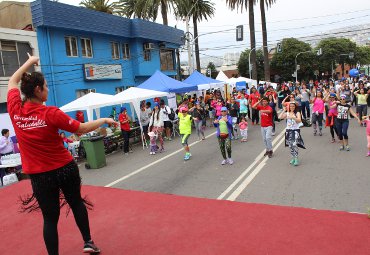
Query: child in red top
<point>50,166</point>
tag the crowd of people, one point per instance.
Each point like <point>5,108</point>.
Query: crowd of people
<point>318,104</point>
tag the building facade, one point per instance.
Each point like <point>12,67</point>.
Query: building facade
<point>15,15</point>
<point>14,46</point>
<point>82,50</point>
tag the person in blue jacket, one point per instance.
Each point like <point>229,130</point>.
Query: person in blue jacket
<point>224,125</point>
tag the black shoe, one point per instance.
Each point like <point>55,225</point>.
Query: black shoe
<point>90,247</point>
<point>266,153</point>
<point>270,154</point>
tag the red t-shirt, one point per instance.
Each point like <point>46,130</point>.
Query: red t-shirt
<point>254,98</point>
<point>266,118</point>
<point>124,126</point>
<point>36,127</point>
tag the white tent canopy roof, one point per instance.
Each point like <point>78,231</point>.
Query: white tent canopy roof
<point>88,101</point>
<point>134,94</point>
<point>222,76</point>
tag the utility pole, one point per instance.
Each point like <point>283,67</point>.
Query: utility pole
<point>190,61</point>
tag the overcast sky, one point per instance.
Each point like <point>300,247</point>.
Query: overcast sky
<point>286,18</point>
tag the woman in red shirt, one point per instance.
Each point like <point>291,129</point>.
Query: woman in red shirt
<point>254,97</point>
<point>50,166</point>
<point>124,120</point>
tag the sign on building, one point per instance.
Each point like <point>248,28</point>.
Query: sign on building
<point>102,72</point>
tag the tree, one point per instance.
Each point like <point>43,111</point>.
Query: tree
<point>284,63</point>
<point>211,66</point>
<point>236,4</point>
<point>146,9</point>
<point>243,64</point>
<point>362,55</point>
<point>199,10</point>
<point>264,36</point>
<point>335,50</point>
<point>100,5</point>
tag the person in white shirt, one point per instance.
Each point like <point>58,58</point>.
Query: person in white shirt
<point>6,144</point>
<point>156,124</point>
<point>165,111</point>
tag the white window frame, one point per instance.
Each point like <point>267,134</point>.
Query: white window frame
<point>149,55</point>
<point>82,92</point>
<point>69,37</point>
<point>119,89</point>
<point>115,50</point>
<point>84,41</point>
<point>126,51</point>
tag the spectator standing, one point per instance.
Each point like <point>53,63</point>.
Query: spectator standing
<point>124,121</point>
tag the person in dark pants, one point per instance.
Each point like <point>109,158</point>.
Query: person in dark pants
<point>54,175</point>
<point>124,120</point>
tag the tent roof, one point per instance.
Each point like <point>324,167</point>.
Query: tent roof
<point>161,82</point>
<point>136,94</point>
<point>88,101</point>
<point>222,76</point>
<point>196,78</point>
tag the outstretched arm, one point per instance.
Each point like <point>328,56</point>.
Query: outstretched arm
<point>16,77</point>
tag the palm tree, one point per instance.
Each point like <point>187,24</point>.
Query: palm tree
<point>146,9</point>
<point>100,5</point>
<point>236,4</point>
<point>264,37</point>
<point>199,10</point>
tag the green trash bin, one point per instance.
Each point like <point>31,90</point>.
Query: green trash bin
<point>95,152</point>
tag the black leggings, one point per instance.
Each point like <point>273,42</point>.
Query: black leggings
<point>255,116</point>
<point>48,187</point>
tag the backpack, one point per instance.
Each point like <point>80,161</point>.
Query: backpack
<point>171,115</point>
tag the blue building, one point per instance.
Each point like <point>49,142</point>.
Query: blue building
<point>82,50</point>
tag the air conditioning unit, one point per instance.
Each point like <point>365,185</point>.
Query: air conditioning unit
<point>148,46</point>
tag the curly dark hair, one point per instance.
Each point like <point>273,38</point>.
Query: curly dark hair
<point>30,81</point>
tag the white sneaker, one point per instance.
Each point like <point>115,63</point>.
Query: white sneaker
<point>224,162</point>
<point>230,161</point>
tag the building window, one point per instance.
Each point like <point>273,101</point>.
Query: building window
<point>126,51</point>
<point>167,60</point>
<point>82,92</point>
<point>86,48</point>
<point>147,55</point>
<point>115,50</point>
<point>71,46</point>
<point>119,89</point>
<point>12,55</point>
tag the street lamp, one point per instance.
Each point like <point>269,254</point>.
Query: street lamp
<point>296,66</point>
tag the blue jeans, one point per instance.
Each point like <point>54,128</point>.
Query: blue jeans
<point>305,109</point>
<point>342,127</point>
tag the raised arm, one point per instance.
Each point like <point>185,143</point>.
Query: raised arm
<point>17,76</point>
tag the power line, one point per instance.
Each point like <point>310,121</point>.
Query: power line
<point>297,19</point>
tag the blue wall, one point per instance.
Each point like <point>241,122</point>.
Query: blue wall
<point>65,74</point>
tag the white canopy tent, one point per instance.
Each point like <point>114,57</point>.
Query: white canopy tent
<point>88,103</point>
<point>134,96</point>
<point>222,77</point>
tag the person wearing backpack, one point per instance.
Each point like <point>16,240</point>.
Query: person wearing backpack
<point>166,112</point>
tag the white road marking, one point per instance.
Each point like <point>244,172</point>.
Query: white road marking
<point>250,178</point>
<point>246,171</point>
<point>151,164</point>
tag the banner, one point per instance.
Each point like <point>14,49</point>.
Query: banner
<point>102,72</point>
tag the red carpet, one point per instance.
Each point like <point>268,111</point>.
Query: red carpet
<point>130,222</point>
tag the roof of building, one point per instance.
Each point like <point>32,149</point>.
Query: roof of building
<point>53,14</point>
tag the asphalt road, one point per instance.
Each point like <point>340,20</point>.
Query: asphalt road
<point>326,178</point>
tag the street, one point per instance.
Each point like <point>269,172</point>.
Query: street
<point>326,178</point>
